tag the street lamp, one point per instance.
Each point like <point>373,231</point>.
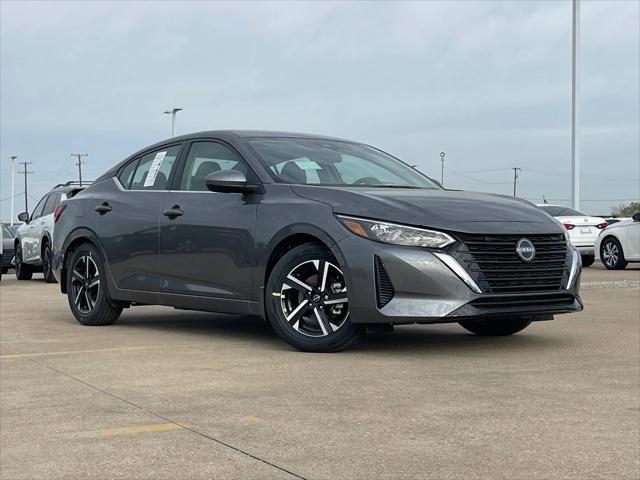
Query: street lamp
<point>173,112</point>
<point>13,175</point>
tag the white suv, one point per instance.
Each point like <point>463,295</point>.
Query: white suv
<point>34,236</point>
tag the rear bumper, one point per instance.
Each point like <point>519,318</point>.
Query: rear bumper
<point>425,288</point>
<point>585,249</point>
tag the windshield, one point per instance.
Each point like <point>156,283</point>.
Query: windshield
<point>555,211</point>
<point>326,162</point>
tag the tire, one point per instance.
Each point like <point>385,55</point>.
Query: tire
<point>496,328</point>
<point>612,255</point>
<point>587,260</point>
<point>23,271</point>
<point>47,271</point>
<point>313,325</point>
<point>87,288</point>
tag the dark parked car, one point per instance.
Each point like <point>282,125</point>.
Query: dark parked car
<point>319,236</point>
<point>8,236</point>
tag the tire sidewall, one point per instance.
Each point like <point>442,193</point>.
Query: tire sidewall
<point>345,336</point>
<point>102,299</point>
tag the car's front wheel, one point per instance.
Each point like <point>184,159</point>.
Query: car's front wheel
<point>496,328</point>
<point>307,301</point>
<point>23,271</point>
<point>612,255</point>
<point>87,288</point>
<point>47,271</point>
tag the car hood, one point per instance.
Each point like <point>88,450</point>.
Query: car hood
<point>442,209</point>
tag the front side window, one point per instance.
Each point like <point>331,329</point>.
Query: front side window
<point>37,212</point>
<point>126,175</point>
<point>153,169</point>
<point>332,162</point>
<point>205,158</point>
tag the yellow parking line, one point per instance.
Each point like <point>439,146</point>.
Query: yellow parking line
<point>97,350</point>
<point>154,427</point>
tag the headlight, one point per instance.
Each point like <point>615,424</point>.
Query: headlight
<point>395,234</point>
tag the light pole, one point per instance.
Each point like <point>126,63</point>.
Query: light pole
<point>173,112</point>
<point>443,155</point>
<point>13,176</point>
<point>575,154</point>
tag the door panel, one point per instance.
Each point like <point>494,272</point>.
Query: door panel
<point>30,253</point>
<point>127,220</point>
<point>208,249</point>
<point>207,238</point>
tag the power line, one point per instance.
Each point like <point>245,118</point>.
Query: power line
<point>476,179</point>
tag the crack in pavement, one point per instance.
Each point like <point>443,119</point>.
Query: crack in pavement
<point>151,412</point>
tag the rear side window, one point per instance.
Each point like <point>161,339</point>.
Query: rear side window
<point>153,169</point>
<point>50,206</point>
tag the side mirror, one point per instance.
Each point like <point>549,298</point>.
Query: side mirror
<point>636,217</point>
<point>228,181</point>
<point>24,217</point>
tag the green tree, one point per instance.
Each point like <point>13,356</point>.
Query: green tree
<point>625,210</point>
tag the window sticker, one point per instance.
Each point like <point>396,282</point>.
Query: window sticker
<point>154,169</point>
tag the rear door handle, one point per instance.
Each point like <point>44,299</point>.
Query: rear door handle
<point>102,209</point>
<point>173,212</point>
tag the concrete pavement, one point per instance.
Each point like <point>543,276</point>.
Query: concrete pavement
<point>172,394</point>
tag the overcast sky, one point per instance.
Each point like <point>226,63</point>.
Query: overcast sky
<point>487,82</point>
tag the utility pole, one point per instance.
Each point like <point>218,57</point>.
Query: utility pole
<point>442,159</point>
<point>515,178</point>
<point>173,112</point>
<point>25,172</point>
<point>79,164</point>
<point>13,181</point>
<point>575,153</point>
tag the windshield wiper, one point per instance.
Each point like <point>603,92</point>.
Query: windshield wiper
<point>393,186</point>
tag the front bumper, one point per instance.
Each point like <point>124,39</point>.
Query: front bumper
<point>426,289</point>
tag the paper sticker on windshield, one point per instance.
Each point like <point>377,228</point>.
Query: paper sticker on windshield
<point>155,168</point>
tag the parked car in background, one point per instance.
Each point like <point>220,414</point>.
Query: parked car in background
<point>319,236</point>
<point>619,244</point>
<point>32,244</point>
<point>8,239</point>
<point>612,220</point>
<point>583,229</point>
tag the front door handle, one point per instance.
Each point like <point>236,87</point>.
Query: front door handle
<point>102,209</point>
<point>173,212</point>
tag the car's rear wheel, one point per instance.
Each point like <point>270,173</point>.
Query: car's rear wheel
<point>587,260</point>
<point>23,271</point>
<point>87,288</point>
<point>612,255</point>
<point>496,328</point>
<point>307,301</point>
<point>47,271</point>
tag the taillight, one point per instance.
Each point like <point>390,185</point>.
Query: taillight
<point>602,225</point>
<point>58,211</point>
<point>569,226</point>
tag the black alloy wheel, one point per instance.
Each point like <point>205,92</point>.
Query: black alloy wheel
<point>87,288</point>
<point>308,303</point>
<point>23,271</point>
<point>47,271</point>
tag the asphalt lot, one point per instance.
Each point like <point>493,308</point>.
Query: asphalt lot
<point>173,394</point>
